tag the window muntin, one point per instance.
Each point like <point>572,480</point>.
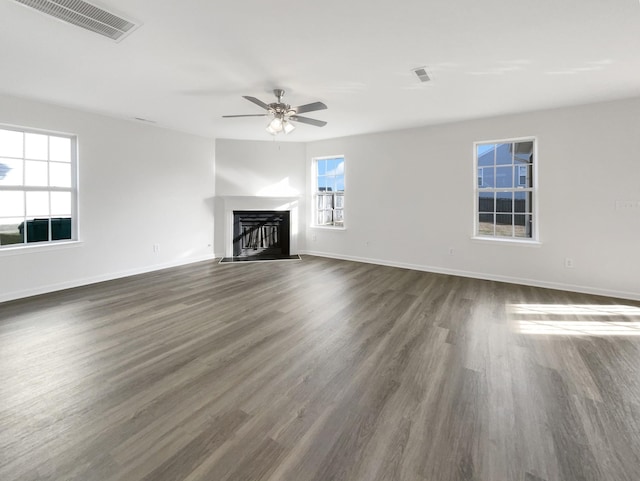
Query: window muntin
<point>505,190</point>
<point>37,187</point>
<point>329,191</point>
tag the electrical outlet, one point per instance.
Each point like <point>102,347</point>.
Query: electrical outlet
<point>451,251</point>
<point>156,248</point>
<point>627,205</point>
<point>568,262</point>
<point>313,237</point>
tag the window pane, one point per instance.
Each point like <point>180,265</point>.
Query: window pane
<point>522,225</point>
<point>61,228</point>
<point>523,152</point>
<point>339,170</point>
<point>504,202</point>
<point>331,182</point>
<point>319,202</point>
<point>339,201</point>
<point>328,202</point>
<point>488,177</point>
<point>59,174</point>
<point>504,177</point>
<point>11,172</point>
<point>333,166</point>
<point>11,231</point>
<point>11,204</point>
<point>37,230</point>
<point>36,173</point>
<point>486,153</point>
<point>340,183</point>
<point>504,154</point>
<point>486,202</point>
<point>322,167</point>
<point>36,146</point>
<point>60,149</point>
<point>60,203</point>
<point>485,224</point>
<point>37,204</point>
<point>328,217</point>
<point>522,176</point>
<point>504,225</point>
<point>320,217</point>
<point>339,216</point>
<point>11,143</point>
<point>324,184</point>
<point>523,202</point>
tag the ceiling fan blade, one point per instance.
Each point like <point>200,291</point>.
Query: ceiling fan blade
<point>301,109</point>
<point>307,120</point>
<point>244,115</point>
<point>256,101</point>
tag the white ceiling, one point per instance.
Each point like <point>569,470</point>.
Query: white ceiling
<point>192,60</point>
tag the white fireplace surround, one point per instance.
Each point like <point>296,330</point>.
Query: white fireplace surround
<point>240,202</point>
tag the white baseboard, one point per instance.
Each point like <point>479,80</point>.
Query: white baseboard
<point>10,296</point>
<point>481,275</point>
<point>438,270</point>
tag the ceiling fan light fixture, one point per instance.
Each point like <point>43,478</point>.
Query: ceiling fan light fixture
<point>270,130</point>
<point>276,124</point>
<point>288,127</point>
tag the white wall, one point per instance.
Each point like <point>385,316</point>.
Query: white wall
<point>139,185</point>
<point>409,194</point>
<point>259,175</point>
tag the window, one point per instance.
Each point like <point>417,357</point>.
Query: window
<point>505,190</point>
<point>329,191</point>
<point>37,187</point>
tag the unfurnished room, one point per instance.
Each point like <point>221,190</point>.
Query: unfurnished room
<point>319,241</point>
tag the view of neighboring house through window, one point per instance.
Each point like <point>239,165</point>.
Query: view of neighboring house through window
<point>37,186</point>
<point>505,189</point>
<point>329,191</point>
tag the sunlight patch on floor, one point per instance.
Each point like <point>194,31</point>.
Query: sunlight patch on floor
<point>575,319</point>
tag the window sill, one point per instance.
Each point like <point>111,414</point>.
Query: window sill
<point>327,227</point>
<point>499,240</point>
<point>24,249</point>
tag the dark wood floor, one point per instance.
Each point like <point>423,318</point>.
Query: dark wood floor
<point>319,370</point>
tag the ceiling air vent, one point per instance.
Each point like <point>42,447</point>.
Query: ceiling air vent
<point>422,74</point>
<point>85,15</point>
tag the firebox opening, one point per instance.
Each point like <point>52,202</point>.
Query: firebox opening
<point>261,235</point>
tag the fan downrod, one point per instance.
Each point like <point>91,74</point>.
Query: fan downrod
<point>279,93</point>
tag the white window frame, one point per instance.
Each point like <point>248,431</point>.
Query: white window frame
<point>517,187</point>
<point>73,190</point>
<point>317,192</point>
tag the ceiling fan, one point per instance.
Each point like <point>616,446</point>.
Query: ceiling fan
<point>282,114</point>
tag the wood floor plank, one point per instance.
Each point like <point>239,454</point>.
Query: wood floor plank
<point>318,370</point>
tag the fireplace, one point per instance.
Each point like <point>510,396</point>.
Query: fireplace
<point>226,208</point>
<point>261,234</point>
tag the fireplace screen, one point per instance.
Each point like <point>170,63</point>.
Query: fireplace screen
<point>260,233</point>
<point>258,236</point>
